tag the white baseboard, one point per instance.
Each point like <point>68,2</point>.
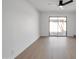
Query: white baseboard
<point>28,46</point>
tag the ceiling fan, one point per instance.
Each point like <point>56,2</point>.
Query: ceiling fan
<point>63,4</point>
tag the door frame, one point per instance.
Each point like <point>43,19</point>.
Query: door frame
<point>49,26</point>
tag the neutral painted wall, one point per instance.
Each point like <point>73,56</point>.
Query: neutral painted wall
<point>71,22</point>
<point>20,27</point>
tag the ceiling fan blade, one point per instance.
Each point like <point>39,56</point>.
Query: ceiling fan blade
<point>62,4</point>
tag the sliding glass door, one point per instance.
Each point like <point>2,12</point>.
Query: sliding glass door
<point>57,26</point>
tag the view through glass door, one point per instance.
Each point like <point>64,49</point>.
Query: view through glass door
<point>57,26</point>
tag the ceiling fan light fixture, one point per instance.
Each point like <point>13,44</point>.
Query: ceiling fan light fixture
<point>61,7</point>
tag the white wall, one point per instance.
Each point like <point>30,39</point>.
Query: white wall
<point>71,22</point>
<point>20,27</point>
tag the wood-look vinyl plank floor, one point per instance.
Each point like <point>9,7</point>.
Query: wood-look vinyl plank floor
<point>51,48</point>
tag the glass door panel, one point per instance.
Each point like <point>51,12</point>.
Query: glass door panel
<point>57,26</point>
<point>53,28</point>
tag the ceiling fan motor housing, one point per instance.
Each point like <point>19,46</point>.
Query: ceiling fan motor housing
<point>60,3</point>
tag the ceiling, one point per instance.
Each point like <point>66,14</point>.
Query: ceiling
<point>52,5</point>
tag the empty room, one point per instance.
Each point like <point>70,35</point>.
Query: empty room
<point>38,29</point>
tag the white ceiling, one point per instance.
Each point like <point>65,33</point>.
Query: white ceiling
<point>52,5</point>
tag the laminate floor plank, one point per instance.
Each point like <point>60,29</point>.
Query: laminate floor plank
<point>51,48</point>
